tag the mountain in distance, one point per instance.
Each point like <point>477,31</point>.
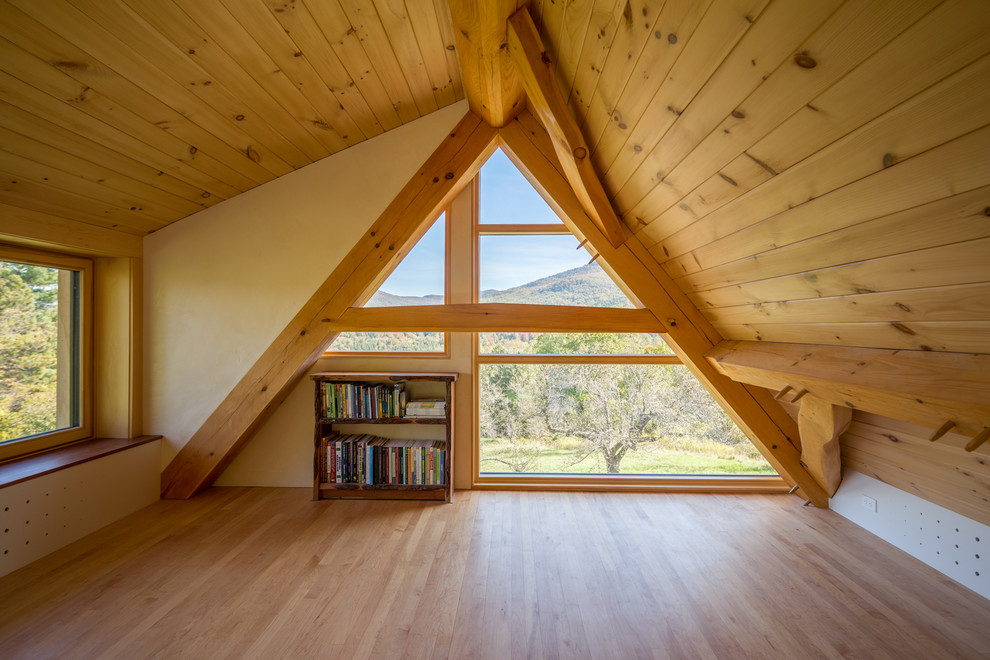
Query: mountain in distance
<point>588,286</point>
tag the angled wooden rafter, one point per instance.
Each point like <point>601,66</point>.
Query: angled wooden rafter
<point>454,163</point>
<point>546,101</point>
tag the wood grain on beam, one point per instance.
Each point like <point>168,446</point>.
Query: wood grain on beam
<point>491,83</point>
<point>547,102</point>
<point>306,337</point>
<point>36,229</point>
<point>821,424</point>
<point>924,387</point>
<point>496,317</point>
<point>687,332</point>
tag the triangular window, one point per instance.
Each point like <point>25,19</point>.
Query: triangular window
<point>419,279</point>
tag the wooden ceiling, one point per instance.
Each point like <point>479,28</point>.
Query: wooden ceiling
<point>133,114</point>
<point>812,172</point>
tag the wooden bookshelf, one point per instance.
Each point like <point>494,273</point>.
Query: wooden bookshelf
<point>417,386</point>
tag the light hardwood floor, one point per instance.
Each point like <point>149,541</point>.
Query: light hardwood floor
<point>266,573</point>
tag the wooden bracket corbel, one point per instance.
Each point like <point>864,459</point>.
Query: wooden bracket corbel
<point>821,424</point>
<point>982,437</point>
<point>942,430</point>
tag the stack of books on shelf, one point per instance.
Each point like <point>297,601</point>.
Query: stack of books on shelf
<point>373,460</point>
<point>356,401</point>
<point>431,408</point>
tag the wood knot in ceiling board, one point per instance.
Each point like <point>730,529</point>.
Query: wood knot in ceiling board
<point>889,159</point>
<point>239,118</point>
<point>728,179</point>
<point>897,325</point>
<point>252,154</point>
<point>738,114</point>
<point>804,60</point>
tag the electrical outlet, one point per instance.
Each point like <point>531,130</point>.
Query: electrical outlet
<point>869,503</point>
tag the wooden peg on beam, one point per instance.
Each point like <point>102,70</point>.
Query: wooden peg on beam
<point>799,395</point>
<point>594,258</point>
<point>787,388</point>
<point>978,440</point>
<point>793,488</point>
<point>942,430</point>
<point>581,244</point>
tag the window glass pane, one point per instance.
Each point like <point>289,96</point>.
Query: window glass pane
<point>507,198</point>
<point>388,342</point>
<point>606,419</point>
<point>417,280</point>
<point>39,349</point>
<point>543,270</point>
<point>571,343</point>
<point>419,277</point>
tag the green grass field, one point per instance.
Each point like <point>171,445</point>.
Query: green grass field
<point>659,456</point>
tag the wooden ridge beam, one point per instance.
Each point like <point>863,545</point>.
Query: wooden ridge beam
<point>431,189</point>
<point>496,317</point>
<point>535,69</point>
<point>924,387</point>
<point>490,80</point>
<point>763,420</point>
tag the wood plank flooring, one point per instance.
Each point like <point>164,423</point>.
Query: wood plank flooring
<point>266,573</point>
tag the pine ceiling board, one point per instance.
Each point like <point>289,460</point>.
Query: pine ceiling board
<point>115,59</point>
<point>397,25</point>
<point>134,49</point>
<point>952,168</point>
<point>648,109</point>
<point>951,220</point>
<point>309,61</point>
<point>960,303</point>
<point>90,148</point>
<point>952,108</point>
<point>303,35</point>
<point>77,81</point>
<point>429,38</point>
<point>329,20</point>
<point>135,41</point>
<point>15,190</point>
<point>857,30</point>
<point>605,20</point>
<point>622,57</point>
<point>311,104</point>
<point>137,212</point>
<point>449,43</point>
<point>573,30</point>
<point>940,266</point>
<point>952,337</point>
<point>26,227</point>
<point>27,156</point>
<point>772,39</point>
<point>410,102</point>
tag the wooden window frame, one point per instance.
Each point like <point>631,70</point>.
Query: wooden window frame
<point>581,482</point>
<point>21,447</point>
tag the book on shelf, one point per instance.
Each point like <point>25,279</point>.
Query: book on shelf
<point>357,401</point>
<point>372,460</point>
<point>428,408</point>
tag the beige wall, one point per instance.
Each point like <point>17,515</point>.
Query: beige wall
<point>220,285</point>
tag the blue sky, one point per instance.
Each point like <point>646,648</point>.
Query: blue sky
<point>506,261</point>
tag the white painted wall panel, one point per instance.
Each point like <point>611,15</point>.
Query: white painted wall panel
<point>41,515</point>
<point>947,541</point>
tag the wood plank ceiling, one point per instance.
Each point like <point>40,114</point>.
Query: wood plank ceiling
<point>133,114</point>
<point>806,172</point>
